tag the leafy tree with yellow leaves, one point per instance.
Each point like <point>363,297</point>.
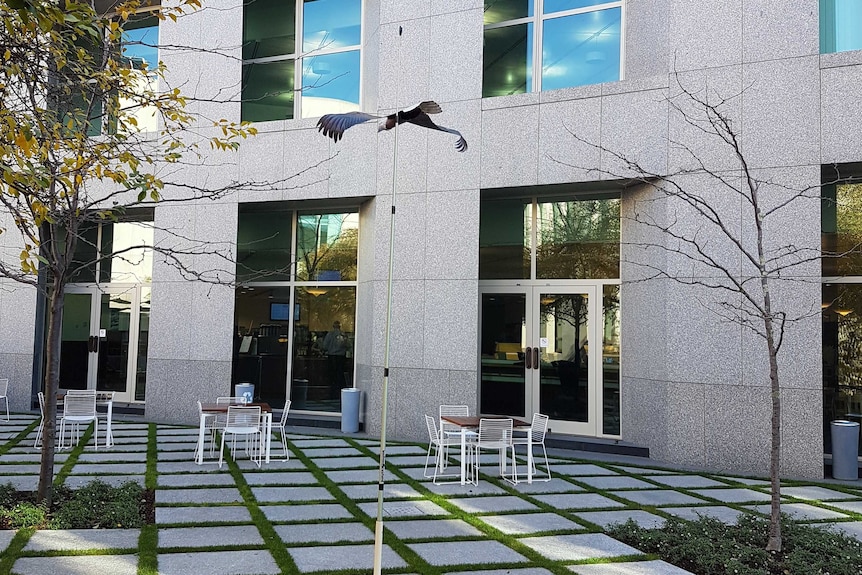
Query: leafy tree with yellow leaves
<point>73,150</point>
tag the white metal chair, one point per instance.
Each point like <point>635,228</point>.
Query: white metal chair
<point>494,434</point>
<point>243,421</point>
<point>103,397</point>
<point>449,432</point>
<point>4,388</point>
<point>281,431</point>
<point>438,446</point>
<point>220,419</point>
<point>79,406</point>
<point>41,427</point>
<point>209,429</point>
<point>534,436</point>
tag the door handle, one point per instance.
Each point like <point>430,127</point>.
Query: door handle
<point>90,344</point>
<point>528,358</point>
<point>536,363</point>
<point>96,344</point>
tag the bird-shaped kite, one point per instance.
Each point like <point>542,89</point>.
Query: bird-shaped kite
<point>334,125</point>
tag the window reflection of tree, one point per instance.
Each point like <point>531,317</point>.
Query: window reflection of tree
<point>320,251</point>
<point>579,239</point>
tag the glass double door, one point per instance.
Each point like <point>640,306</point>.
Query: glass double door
<point>552,349</point>
<point>104,340</point>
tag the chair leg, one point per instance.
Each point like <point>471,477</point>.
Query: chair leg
<point>283,445</point>
<point>221,451</point>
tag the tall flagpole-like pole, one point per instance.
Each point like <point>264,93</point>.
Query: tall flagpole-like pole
<point>378,526</point>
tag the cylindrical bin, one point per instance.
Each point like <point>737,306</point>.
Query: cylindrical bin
<point>350,409</point>
<point>245,391</point>
<point>845,450</point>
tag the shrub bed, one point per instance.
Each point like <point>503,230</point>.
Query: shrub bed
<point>97,505</point>
<point>710,547</point>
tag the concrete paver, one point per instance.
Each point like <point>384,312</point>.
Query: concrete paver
<point>466,553</point>
<point>253,562</point>
<point>578,547</point>
<point>433,528</point>
<point>66,564</point>
<point>332,558</point>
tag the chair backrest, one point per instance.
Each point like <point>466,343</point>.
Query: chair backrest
<point>284,413</point>
<point>240,416</point>
<point>4,386</point>
<point>538,428</point>
<point>79,403</point>
<point>495,433</point>
<point>433,437</point>
<point>459,410</point>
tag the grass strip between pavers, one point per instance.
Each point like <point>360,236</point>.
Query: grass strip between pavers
<point>70,462</point>
<point>11,553</point>
<point>21,436</point>
<point>148,542</point>
<point>270,538</point>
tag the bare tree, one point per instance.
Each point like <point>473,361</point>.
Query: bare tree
<point>74,153</point>
<point>687,235</point>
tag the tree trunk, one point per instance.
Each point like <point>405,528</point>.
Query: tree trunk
<point>774,542</point>
<point>52,378</point>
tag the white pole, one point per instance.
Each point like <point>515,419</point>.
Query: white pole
<point>378,526</point>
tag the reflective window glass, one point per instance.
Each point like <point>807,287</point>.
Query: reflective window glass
<point>841,216</point>
<point>503,10</point>
<point>141,42</point>
<point>508,60</point>
<point>143,345</point>
<point>504,239</point>
<point>267,92</point>
<point>269,28</point>
<point>573,49</point>
<point>327,246</point>
<point>611,360</point>
<point>330,24</point>
<point>83,267</point>
<point>578,239</point>
<point>330,33</point>
<point>842,353</point>
<point>550,6</point>
<point>263,244</point>
<point>330,84</point>
<point>581,49</point>
<point>840,25</point>
<point>131,262</point>
<point>324,347</point>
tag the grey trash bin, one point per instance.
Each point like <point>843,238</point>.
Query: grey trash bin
<point>350,409</point>
<point>246,391</point>
<point>845,449</point>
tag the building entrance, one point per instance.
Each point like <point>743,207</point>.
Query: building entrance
<point>552,349</point>
<point>104,340</point>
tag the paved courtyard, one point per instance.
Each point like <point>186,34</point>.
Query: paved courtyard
<point>316,512</point>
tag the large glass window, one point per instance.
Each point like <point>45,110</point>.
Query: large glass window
<point>300,58</point>
<point>840,25</point>
<point>841,304</point>
<point>296,307</point>
<point>88,107</point>
<point>114,252</point>
<point>570,43</point>
<point>565,239</point>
